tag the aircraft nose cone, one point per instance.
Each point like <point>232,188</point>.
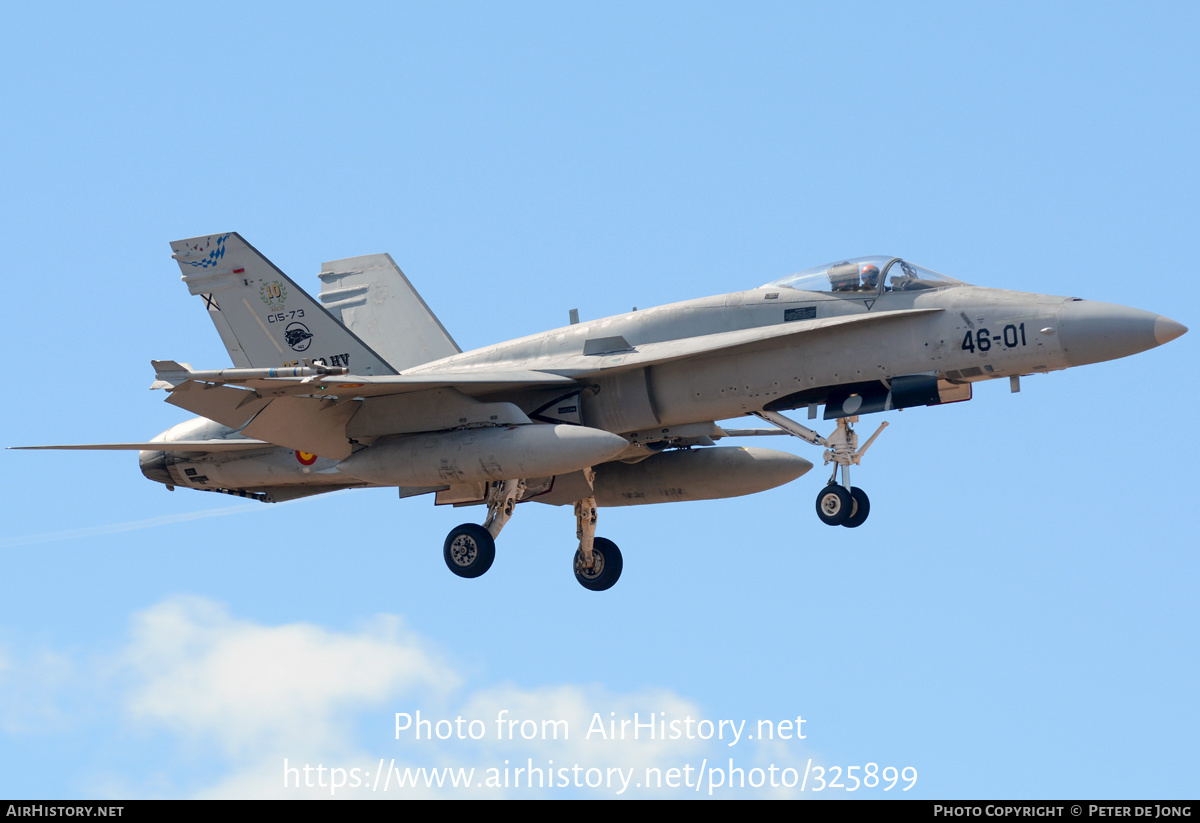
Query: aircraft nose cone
<point>1166,330</point>
<point>1093,332</point>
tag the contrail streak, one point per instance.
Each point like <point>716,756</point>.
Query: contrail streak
<point>135,525</point>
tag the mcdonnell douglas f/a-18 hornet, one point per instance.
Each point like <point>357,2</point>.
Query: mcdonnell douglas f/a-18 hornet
<point>365,388</point>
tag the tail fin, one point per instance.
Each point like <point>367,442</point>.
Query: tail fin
<point>373,298</point>
<point>263,317</point>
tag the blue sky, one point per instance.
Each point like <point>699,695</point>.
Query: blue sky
<point>1017,619</point>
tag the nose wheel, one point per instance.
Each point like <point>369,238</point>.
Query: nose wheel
<point>834,505</point>
<point>860,509</point>
<point>837,506</point>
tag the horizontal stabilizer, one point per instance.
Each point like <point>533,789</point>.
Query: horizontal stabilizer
<point>164,446</point>
<point>308,424</point>
<point>229,407</point>
<point>313,417</point>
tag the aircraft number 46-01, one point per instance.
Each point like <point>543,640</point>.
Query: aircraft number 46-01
<point>364,387</point>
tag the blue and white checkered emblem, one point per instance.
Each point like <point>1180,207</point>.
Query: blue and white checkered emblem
<point>216,250</point>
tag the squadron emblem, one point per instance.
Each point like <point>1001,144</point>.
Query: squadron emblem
<point>298,336</point>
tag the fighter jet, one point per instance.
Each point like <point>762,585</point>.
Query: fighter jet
<point>365,388</point>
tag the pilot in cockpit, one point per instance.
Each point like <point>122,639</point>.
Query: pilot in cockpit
<point>870,277</point>
<point>853,277</point>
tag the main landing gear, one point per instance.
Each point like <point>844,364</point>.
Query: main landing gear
<point>837,504</point>
<point>470,549</point>
<point>597,561</point>
<point>605,569</point>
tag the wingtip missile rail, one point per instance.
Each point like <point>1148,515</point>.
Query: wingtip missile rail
<point>168,374</point>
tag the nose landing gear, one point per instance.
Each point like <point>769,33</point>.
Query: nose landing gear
<point>837,504</point>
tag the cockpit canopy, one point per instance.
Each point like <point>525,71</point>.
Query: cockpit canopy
<point>864,275</point>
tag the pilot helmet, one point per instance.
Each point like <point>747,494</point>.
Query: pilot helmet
<point>870,275</point>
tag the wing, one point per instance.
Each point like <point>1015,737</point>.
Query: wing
<point>162,446</point>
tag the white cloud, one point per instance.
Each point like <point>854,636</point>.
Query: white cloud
<point>251,687</point>
<point>584,709</point>
<point>30,688</point>
<point>232,700</point>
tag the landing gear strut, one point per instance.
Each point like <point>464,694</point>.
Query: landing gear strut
<point>597,560</point>
<point>470,549</point>
<point>837,504</point>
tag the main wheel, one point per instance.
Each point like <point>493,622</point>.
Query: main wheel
<point>859,510</point>
<point>606,566</point>
<point>834,505</point>
<point>469,550</point>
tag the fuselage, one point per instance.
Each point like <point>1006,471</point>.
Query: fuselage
<point>966,334</point>
<point>812,339</point>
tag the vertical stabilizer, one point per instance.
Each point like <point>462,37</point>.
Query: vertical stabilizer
<point>373,298</point>
<point>263,317</point>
